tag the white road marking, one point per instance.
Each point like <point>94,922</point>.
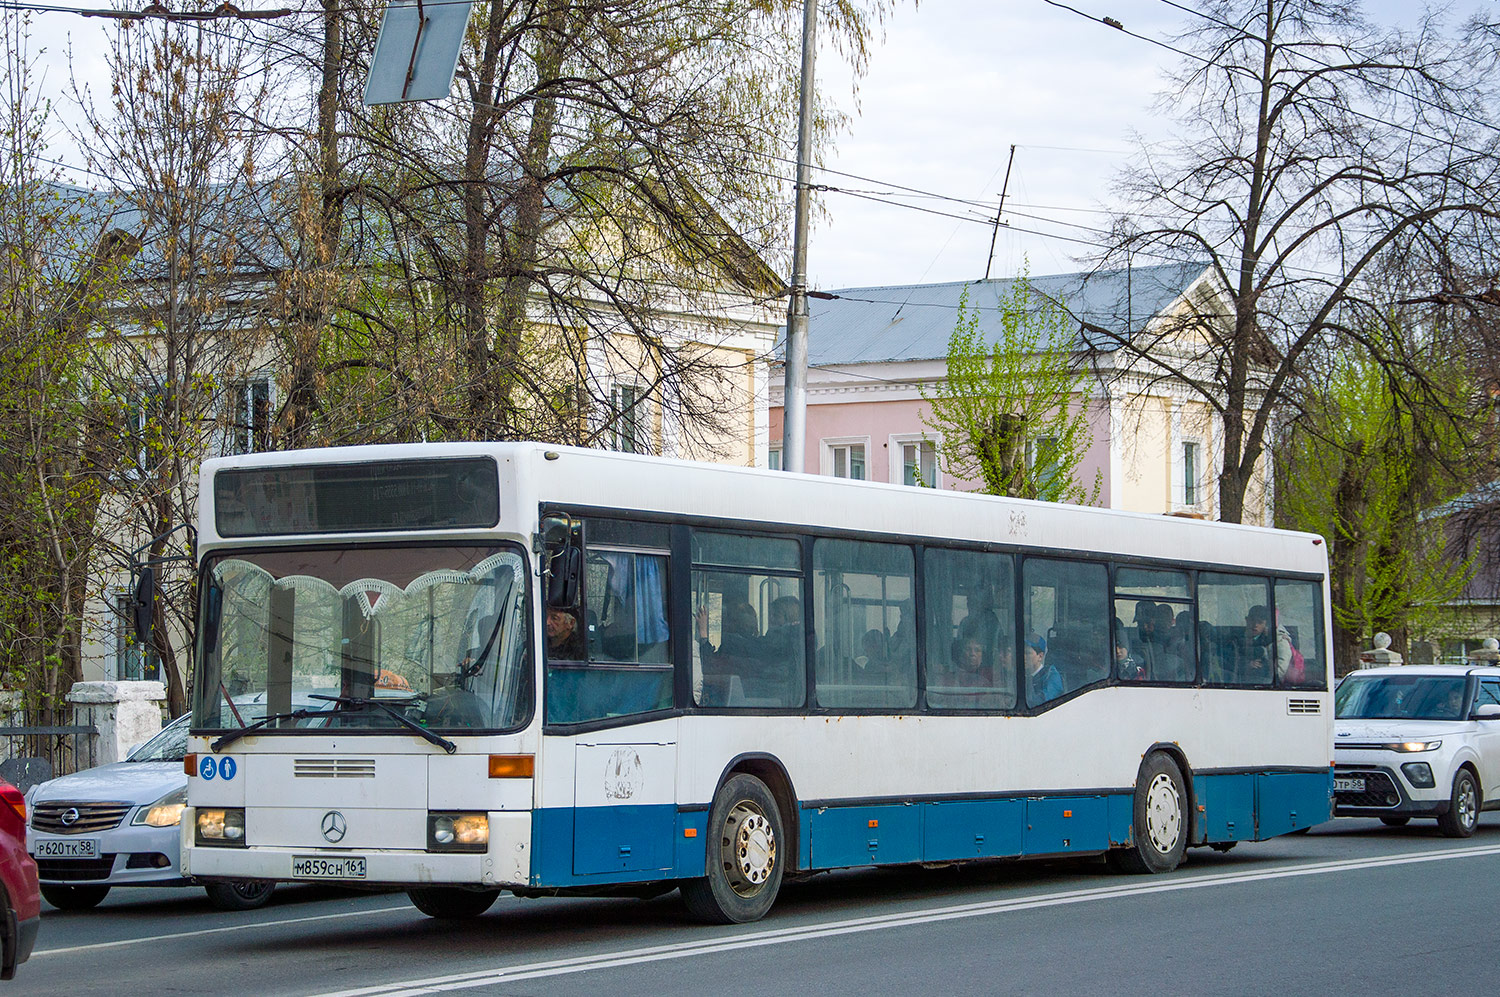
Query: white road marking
<point>682,950</point>
<point>155,939</point>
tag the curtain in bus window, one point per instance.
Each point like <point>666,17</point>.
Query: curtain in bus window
<point>1236,638</point>
<point>971,630</point>
<point>1067,624</point>
<point>865,625</point>
<point>749,645</point>
<point>1153,630</point>
<point>1299,624</point>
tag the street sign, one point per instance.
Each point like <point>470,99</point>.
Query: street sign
<point>416,52</point>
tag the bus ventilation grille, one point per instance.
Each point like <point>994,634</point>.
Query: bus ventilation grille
<point>1304,706</point>
<point>333,768</point>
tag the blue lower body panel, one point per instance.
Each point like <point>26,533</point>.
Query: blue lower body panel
<point>591,846</point>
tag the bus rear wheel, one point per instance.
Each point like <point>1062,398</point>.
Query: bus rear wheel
<point>1159,828</point>
<point>744,863</point>
<point>451,903</point>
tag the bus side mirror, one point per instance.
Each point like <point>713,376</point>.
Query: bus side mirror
<point>142,604</point>
<point>564,560</point>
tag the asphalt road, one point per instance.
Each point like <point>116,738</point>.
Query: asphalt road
<point>1354,906</point>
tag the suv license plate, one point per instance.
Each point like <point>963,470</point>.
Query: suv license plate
<point>1348,785</point>
<point>64,848</point>
<point>320,867</point>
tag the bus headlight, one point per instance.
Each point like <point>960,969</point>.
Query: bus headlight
<point>165,812</point>
<point>224,826</point>
<point>458,832</point>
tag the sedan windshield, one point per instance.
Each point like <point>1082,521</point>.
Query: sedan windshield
<point>1401,697</point>
<point>364,638</point>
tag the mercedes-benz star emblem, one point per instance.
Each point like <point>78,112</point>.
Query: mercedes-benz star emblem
<point>69,815</point>
<point>334,826</point>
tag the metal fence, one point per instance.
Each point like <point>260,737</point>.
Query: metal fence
<point>32,753</point>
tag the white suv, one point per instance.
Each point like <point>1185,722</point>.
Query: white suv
<point>1418,741</point>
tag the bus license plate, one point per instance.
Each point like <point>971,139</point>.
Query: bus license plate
<point>59,848</point>
<point>320,867</point>
<point>1348,785</point>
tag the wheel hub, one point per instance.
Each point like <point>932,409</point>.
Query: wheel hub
<point>750,849</point>
<point>1467,809</point>
<point>1163,813</point>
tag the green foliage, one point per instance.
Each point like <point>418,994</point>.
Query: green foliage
<point>1011,414</point>
<point>1363,466</point>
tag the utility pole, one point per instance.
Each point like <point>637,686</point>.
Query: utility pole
<point>998,212</point>
<point>794,397</point>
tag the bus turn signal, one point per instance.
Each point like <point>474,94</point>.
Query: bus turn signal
<point>512,766</point>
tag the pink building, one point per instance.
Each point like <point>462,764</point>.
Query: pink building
<point>872,350</point>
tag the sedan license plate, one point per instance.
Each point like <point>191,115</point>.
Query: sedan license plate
<point>1348,785</point>
<point>322,867</point>
<point>68,848</point>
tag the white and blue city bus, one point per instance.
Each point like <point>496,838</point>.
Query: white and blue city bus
<point>551,670</point>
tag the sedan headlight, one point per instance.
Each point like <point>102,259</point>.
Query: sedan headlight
<point>165,812</point>
<point>1414,745</point>
<point>221,826</point>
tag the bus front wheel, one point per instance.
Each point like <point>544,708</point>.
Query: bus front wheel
<point>451,903</point>
<point>1159,828</point>
<point>744,863</point>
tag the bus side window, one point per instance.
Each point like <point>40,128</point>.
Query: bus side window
<point>1066,606</point>
<point>971,630</point>
<point>1299,619</point>
<point>625,647</point>
<point>749,632</point>
<point>1240,647</point>
<point>865,624</point>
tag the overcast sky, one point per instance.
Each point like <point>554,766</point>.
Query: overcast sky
<point>953,85</point>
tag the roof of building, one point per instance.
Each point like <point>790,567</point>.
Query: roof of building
<point>915,321</point>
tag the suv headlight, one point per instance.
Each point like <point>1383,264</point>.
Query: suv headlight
<point>165,812</point>
<point>1419,774</point>
<point>1410,746</point>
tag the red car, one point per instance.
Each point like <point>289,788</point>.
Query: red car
<point>20,899</point>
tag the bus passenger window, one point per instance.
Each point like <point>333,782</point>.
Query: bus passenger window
<point>1236,637</point>
<point>749,637</point>
<point>1299,625</point>
<point>1068,627</point>
<point>971,631</point>
<point>865,625</point>
<point>617,661</point>
<point>1153,626</point>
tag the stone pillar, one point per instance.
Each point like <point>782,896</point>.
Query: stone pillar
<point>1487,653</point>
<point>125,713</point>
<point>1381,654</point>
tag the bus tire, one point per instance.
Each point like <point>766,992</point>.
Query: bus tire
<point>1159,829</point>
<point>74,897</point>
<point>241,894</point>
<point>451,903</point>
<point>1463,807</point>
<point>744,863</point>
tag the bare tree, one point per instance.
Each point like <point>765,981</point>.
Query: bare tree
<point>1314,146</point>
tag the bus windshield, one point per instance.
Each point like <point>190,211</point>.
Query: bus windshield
<point>1401,697</point>
<point>334,639</point>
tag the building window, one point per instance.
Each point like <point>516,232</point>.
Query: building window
<point>919,463</point>
<point>1190,465</point>
<point>1041,457</point>
<point>773,458</point>
<point>250,416</point>
<point>848,460</point>
<point>628,414</point>
<point>145,429</point>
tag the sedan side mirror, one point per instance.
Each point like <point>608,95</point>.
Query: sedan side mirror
<point>1489,711</point>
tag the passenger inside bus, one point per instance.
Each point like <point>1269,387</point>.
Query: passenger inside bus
<point>1128,667</point>
<point>1043,683</point>
<point>564,642</point>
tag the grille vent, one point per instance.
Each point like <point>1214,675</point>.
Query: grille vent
<point>1295,706</point>
<point>78,818</point>
<point>333,768</point>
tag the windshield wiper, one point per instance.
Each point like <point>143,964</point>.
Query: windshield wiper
<point>234,735</point>
<point>397,715</point>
